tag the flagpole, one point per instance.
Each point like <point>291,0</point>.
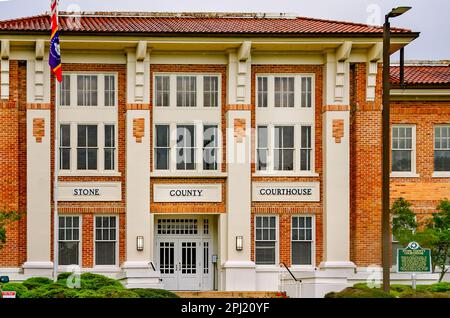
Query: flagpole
<point>55,188</point>
<point>55,181</point>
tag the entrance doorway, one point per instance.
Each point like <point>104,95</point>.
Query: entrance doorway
<point>184,249</point>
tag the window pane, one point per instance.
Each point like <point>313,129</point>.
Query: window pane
<point>210,91</point>
<point>105,253</point>
<point>265,253</point>
<point>110,90</point>
<point>92,159</point>
<point>162,158</point>
<point>109,136</point>
<point>162,135</point>
<point>65,91</point>
<point>442,160</point>
<point>301,253</point>
<point>162,90</point>
<point>81,159</point>
<point>262,137</point>
<point>262,91</point>
<point>288,137</point>
<point>92,135</point>
<point>68,253</point>
<point>401,160</point>
<point>82,136</point>
<point>186,91</point>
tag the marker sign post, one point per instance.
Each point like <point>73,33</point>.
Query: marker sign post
<point>414,259</point>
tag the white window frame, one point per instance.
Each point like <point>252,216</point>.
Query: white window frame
<point>199,90</point>
<point>405,174</point>
<point>313,242</point>
<point>277,240</point>
<point>297,89</point>
<point>296,116</point>
<point>80,242</point>
<point>198,127</point>
<point>100,152</point>
<point>439,174</point>
<point>297,153</point>
<point>100,89</point>
<point>117,249</point>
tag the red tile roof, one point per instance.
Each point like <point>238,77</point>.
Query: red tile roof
<point>422,75</point>
<point>189,24</point>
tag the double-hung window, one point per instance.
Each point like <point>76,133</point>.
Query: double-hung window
<point>442,148</point>
<point>64,147</point>
<point>284,148</point>
<point>265,240</point>
<point>110,147</point>
<point>186,147</point>
<point>302,245</point>
<point>87,90</point>
<point>162,149</point>
<point>87,149</point>
<point>210,147</point>
<point>105,240</point>
<point>69,240</point>
<point>306,91</point>
<point>186,91</point>
<point>403,149</point>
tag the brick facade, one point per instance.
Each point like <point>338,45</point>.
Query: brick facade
<point>424,191</point>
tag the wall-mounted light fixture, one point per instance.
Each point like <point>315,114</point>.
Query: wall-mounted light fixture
<point>140,243</point>
<point>239,243</point>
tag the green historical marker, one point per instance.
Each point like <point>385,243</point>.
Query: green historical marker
<point>414,259</point>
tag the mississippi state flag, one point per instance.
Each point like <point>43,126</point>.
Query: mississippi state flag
<point>55,55</point>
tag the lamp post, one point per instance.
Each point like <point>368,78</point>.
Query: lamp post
<point>386,224</point>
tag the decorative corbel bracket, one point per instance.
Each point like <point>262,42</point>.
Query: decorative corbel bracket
<point>374,55</point>
<point>342,54</point>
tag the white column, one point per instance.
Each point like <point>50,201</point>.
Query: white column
<point>239,270</point>
<point>38,194</point>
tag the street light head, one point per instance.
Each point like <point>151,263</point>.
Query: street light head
<point>395,12</point>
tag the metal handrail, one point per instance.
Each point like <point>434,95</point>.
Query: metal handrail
<point>289,271</point>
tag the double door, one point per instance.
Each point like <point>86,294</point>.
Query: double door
<point>184,263</point>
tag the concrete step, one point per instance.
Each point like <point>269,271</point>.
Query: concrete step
<point>230,294</point>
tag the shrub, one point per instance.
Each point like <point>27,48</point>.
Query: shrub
<point>352,292</point>
<point>96,281</point>
<point>35,282</point>
<point>154,293</point>
<point>19,288</point>
<point>82,293</point>
<point>115,292</point>
<point>440,287</point>
<point>46,291</point>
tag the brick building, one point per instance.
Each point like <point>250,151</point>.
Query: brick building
<point>200,151</point>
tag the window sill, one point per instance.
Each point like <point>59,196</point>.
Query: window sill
<point>184,174</point>
<point>285,174</point>
<point>404,175</point>
<point>302,268</point>
<point>89,174</point>
<point>267,268</point>
<point>441,174</point>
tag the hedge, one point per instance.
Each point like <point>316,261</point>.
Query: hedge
<point>92,286</point>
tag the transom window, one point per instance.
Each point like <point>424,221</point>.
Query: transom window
<point>284,91</point>
<point>265,240</point>
<point>69,240</point>
<point>105,240</point>
<point>302,245</point>
<point>403,151</point>
<point>442,148</point>
<point>187,90</point>
<point>88,90</point>
<point>177,226</point>
<point>284,148</point>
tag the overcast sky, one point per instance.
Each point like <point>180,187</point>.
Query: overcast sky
<point>430,17</point>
